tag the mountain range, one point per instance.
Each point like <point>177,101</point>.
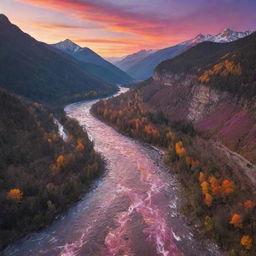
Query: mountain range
<point>213,86</point>
<point>40,72</point>
<point>127,62</point>
<point>97,65</point>
<point>143,68</point>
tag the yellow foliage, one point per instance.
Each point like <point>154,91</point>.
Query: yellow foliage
<point>246,242</point>
<point>15,194</point>
<point>223,68</point>
<point>208,223</point>
<point>180,150</point>
<point>205,187</point>
<point>236,220</point>
<point>170,136</point>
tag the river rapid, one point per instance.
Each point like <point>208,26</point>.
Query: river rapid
<point>131,211</point>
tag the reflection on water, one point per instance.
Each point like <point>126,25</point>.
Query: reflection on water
<point>131,211</point>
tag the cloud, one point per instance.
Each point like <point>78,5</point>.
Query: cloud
<point>156,23</point>
<point>56,26</point>
<point>113,17</point>
<point>120,41</point>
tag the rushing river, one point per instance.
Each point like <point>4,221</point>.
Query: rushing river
<point>130,211</point>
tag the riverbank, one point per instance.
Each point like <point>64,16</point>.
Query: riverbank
<point>43,173</point>
<point>133,208</point>
<point>216,196</point>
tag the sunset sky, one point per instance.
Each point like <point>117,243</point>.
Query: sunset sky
<point>120,27</point>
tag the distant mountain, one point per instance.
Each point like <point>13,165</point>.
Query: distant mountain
<point>225,67</point>
<point>130,60</point>
<point>68,46</point>
<point>37,71</point>
<point>114,60</point>
<point>229,36</point>
<point>101,68</point>
<point>144,69</point>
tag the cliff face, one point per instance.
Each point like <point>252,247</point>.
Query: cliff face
<point>218,115</point>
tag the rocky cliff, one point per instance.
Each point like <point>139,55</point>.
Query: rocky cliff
<point>216,114</point>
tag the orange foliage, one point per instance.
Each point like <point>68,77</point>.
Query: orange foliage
<point>208,199</point>
<point>80,145</point>
<point>180,150</point>
<point>227,187</point>
<point>223,68</point>
<point>236,221</point>
<point>205,187</point>
<point>249,204</point>
<point>246,242</point>
<point>60,161</point>
<point>15,194</point>
<point>215,187</point>
<point>151,130</point>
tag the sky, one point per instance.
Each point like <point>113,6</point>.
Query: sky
<point>121,27</point>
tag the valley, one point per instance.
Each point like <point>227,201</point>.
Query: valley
<point>134,137</point>
<point>133,209</point>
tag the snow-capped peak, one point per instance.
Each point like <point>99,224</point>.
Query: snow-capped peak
<point>228,35</point>
<point>68,46</point>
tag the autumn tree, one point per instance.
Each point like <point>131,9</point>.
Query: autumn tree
<point>60,161</point>
<point>180,150</point>
<point>215,187</point>
<point>249,204</point>
<point>236,220</point>
<point>205,187</point>
<point>227,187</point>
<point>15,195</point>
<point>246,242</point>
<point>80,145</point>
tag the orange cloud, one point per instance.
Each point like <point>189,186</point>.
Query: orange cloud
<point>112,17</point>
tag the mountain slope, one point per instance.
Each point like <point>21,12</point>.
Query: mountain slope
<point>40,173</point>
<point>227,67</point>
<point>100,68</point>
<point>201,106</point>
<point>213,86</point>
<point>37,71</point>
<point>131,60</point>
<point>144,69</point>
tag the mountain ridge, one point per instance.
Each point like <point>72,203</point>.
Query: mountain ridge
<point>104,69</point>
<point>41,72</point>
<point>144,68</point>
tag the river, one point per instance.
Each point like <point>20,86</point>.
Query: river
<point>131,211</point>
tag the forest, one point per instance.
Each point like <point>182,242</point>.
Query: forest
<point>40,173</point>
<point>214,199</point>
